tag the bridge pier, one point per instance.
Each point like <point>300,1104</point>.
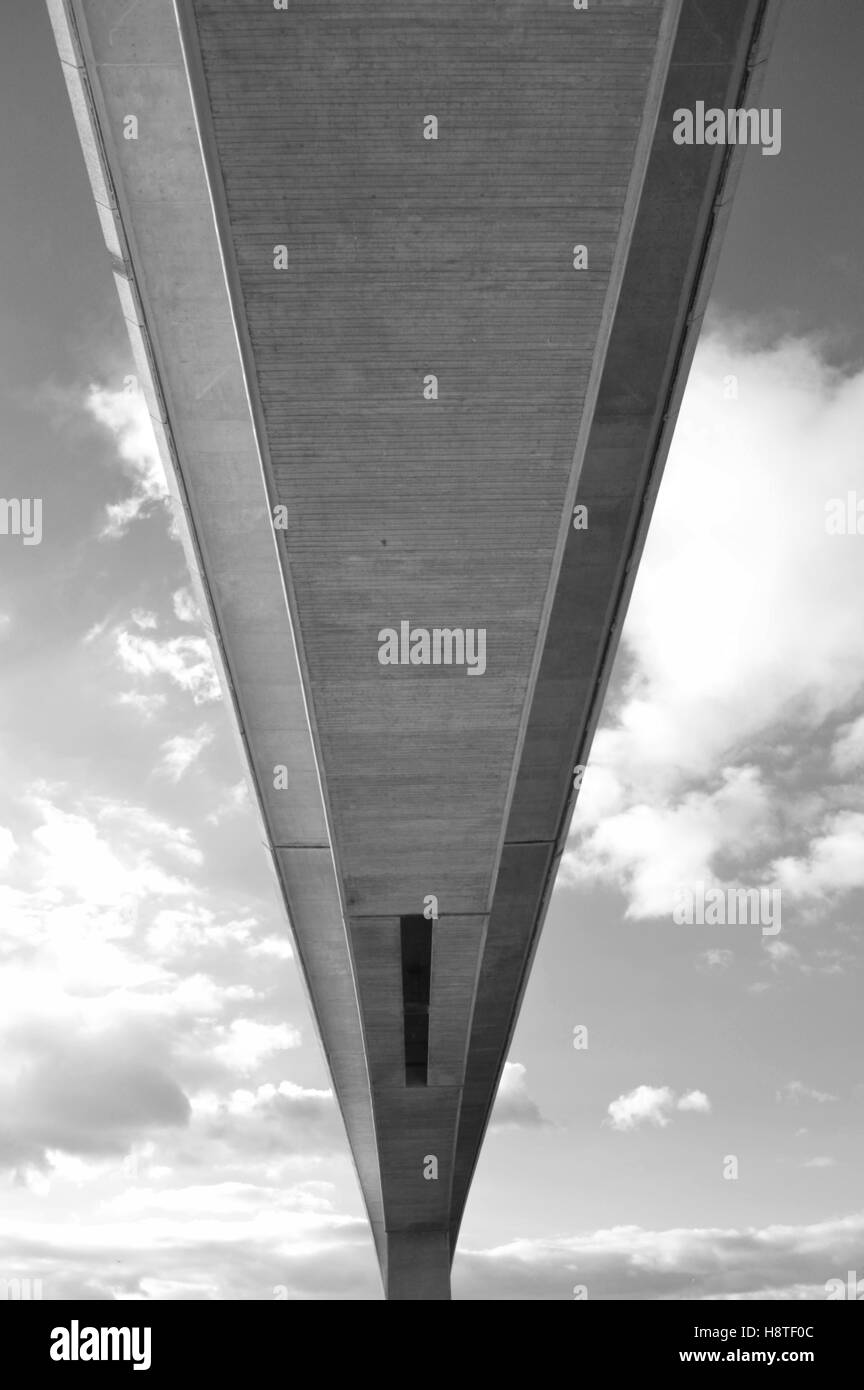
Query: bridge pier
<point>418,1265</point>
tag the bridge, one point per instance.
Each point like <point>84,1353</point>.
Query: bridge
<point>412,289</point>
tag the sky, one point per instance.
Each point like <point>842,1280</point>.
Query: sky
<point>167,1128</point>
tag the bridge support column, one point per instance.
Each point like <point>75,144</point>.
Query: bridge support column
<point>418,1265</point>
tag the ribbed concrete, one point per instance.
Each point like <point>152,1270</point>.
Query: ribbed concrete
<point>417,1266</point>
<point>408,256</point>
<point>303,387</point>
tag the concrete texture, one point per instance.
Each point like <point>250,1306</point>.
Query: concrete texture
<point>303,387</point>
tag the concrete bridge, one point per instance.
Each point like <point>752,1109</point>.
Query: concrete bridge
<point>413,290</point>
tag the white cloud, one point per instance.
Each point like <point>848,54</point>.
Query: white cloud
<point>513,1107</point>
<point>821,1162</point>
<point>147,622</point>
<point>125,414</point>
<point>89,873</point>
<point>695,1100</point>
<point>148,705</point>
<point>645,1104</point>
<point>186,661</point>
<point>195,930</point>
<point>779,951</point>
<point>8,847</point>
<point>235,800</point>
<point>736,567</point>
<point>180,752</point>
<point>830,960</point>
<point>277,946</point>
<point>796,1091</point>
<point>94,632</point>
<point>245,1043</point>
<point>148,832</point>
<point>267,1095</point>
<point>185,607</point>
<point>76,859</point>
<point>654,848</point>
<point>228,1241</point>
<point>221,1199</point>
<point>716,958</point>
<point>231,1245</point>
<point>104,1022</point>
<point>833,864</point>
<point>253,1125</point>
<point>847,754</point>
<point>653,1105</point>
<point>191,928</point>
<point>780,1262</point>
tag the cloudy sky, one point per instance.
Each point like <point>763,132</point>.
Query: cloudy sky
<point>166,1124</point>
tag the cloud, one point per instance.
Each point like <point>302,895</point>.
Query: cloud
<point>652,1105</point>
<point>796,1091</point>
<point>185,607</point>
<point>717,958</point>
<point>779,951</point>
<point>181,931</point>
<point>847,754</point>
<point>147,622</point>
<point>148,705</point>
<point>8,847</point>
<point>687,774</point>
<point>645,1104</point>
<point>652,849</point>
<point>827,960</point>
<point>628,1262</point>
<point>82,1095</point>
<point>125,414</point>
<point>224,1241</point>
<point>91,1062</point>
<point>185,661</point>
<point>180,752</point>
<point>232,1240</point>
<point>147,831</point>
<point>821,1163</point>
<point>695,1100</point>
<point>94,632</point>
<point>194,933</point>
<point>101,1029</point>
<point>265,1120</point>
<point>105,852</point>
<point>227,1198</point>
<point>278,947</point>
<point>76,861</point>
<point>833,864</point>
<point>235,800</point>
<point>244,1044</point>
<point>514,1108</point>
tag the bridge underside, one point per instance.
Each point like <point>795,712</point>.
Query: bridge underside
<point>298,262</point>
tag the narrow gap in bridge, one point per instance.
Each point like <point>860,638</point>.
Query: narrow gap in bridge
<point>416,977</point>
